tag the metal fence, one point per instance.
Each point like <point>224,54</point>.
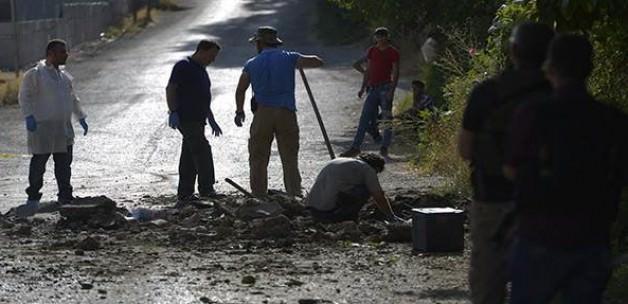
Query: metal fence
<point>26,10</point>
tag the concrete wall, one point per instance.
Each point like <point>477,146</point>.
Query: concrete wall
<point>81,21</point>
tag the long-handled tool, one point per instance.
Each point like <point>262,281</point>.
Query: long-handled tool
<point>235,185</point>
<point>318,114</point>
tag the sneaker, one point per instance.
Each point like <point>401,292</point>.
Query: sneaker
<point>188,198</point>
<point>209,194</point>
<point>28,209</point>
<point>350,153</point>
<point>383,151</point>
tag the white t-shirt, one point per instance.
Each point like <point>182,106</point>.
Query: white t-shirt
<point>341,175</point>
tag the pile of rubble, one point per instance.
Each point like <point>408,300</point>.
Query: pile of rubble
<point>279,220</point>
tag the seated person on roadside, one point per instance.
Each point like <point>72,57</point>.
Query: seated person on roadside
<point>344,186</point>
<point>420,101</point>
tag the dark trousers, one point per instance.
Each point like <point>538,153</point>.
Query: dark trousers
<point>63,173</point>
<point>196,159</point>
<point>540,273</point>
<point>348,206</point>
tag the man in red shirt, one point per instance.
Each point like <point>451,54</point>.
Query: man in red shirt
<point>380,80</point>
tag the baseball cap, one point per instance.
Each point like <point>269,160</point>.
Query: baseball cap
<point>381,31</point>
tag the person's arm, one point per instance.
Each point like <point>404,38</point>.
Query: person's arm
<point>383,204</point>
<point>365,79</point>
<point>171,97</point>
<point>309,61</point>
<point>473,117</point>
<point>27,93</point>
<point>243,85</point>
<point>358,65</point>
<point>395,80</point>
<point>77,109</point>
<point>240,95</point>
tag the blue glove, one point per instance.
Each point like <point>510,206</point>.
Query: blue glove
<point>214,125</point>
<point>84,125</point>
<point>31,123</point>
<point>173,120</point>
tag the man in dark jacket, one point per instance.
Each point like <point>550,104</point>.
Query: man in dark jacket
<point>189,98</point>
<point>568,159</point>
<point>483,141</point>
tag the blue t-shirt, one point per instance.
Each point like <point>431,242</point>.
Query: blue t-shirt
<point>272,77</point>
<point>193,90</point>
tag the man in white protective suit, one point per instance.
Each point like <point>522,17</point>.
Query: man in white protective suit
<point>48,101</point>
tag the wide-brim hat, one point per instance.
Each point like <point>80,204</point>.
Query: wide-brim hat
<point>267,35</point>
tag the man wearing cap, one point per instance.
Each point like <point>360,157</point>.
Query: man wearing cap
<point>380,80</point>
<point>271,74</point>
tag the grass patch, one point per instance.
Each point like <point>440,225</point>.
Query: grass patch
<point>9,88</point>
<point>338,26</point>
<point>130,26</point>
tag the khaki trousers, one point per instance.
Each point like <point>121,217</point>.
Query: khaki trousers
<point>488,274</point>
<point>269,123</point>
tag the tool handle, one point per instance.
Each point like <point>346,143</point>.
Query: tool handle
<point>235,185</point>
<point>318,114</point>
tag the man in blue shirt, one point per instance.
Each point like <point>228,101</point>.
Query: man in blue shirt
<point>189,97</point>
<point>271,74</point>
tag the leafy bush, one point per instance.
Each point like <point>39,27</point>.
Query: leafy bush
<point>9,88</point>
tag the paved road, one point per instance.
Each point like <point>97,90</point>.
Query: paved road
<point>131,152</point>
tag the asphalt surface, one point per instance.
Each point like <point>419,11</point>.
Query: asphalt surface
<point>130,151</point>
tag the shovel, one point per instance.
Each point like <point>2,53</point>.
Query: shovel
<point>263,209</point>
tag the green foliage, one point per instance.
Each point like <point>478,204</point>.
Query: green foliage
<point>338,26</point>
<point>419,17</point>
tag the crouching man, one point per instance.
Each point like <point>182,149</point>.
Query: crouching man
<point>344,186</point>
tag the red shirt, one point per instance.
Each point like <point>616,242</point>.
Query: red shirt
<point>381,64</point>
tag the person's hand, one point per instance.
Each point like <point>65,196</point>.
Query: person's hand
<point>361,92</point>
<point>239,118</point>
<point>173,120</point>
<point>31,123</point>
<point>214,125</point>
<point>84,125</point>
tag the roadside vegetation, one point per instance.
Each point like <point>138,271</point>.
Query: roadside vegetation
<point>472,38</point>
<point>9,87</point>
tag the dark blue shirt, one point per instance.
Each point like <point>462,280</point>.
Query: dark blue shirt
<point>193,90</point>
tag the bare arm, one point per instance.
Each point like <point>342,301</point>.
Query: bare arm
<point>395,75</point>
<point>465,144</point>
<point>243,85</point>
<point>309,61</point>
<point>171,97</point>
<point>365,76</point>
<point>383,204</point>
<point>358,65</point>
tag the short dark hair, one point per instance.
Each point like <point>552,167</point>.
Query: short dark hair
<point>531,40</point>
<point>53,44</point>
<point>418,84</point>
<point>571,56</point>
<point>375,161</point>
<point>205,45</point>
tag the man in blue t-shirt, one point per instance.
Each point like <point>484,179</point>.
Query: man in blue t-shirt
<point>271,74</point>
<point>189,98</point>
